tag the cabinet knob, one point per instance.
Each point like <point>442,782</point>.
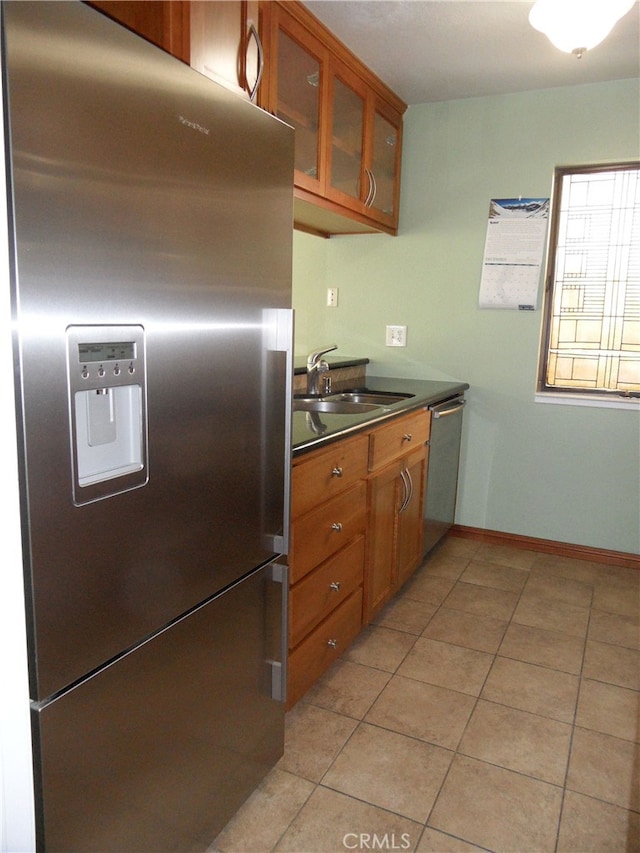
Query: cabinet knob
<point>332,643</point>
<point>337,527</point>
<point>335,585</point>
<point>337,472</point>
<point>407,436</point>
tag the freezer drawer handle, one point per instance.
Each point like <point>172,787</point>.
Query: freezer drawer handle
<point>278,574</point>
<point>337,472</point>
<point>337,527</point>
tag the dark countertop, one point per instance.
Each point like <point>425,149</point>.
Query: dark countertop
<point>312,430</point>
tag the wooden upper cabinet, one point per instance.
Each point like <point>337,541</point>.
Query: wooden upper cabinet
<point>348,124</point>
<point>163,22</point>
<point>296,73</point>
<point>226,45</point>
<point>383,159</point>
<point>363,170</point>
<point>219,38</point>
<point>346,118</point>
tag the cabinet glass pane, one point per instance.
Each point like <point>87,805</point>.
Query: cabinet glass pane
<point>346,139</point>
<point>385,143</point>
<point>299,100</point>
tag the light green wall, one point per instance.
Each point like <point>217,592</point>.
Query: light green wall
<point>557,472</point>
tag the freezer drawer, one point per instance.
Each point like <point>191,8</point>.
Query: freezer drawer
<point>158,750</point>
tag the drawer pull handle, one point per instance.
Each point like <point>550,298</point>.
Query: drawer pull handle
<point>337,472</point>
<point>337,527</point>
<point>335,585</point>
<point>407,436</point>
<point>332,643</point>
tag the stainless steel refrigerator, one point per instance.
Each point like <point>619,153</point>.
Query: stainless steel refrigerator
<point>151,220</point>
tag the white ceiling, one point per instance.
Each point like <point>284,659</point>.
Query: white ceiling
<point>437,50</point>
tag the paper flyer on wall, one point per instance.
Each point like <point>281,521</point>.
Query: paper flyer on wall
<point>513,253</point>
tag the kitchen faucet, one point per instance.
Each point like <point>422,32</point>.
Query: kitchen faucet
<point>316,365</point>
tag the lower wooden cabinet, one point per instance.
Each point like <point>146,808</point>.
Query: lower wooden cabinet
<point>315,654</point>
<point>321,591</point>
<point>409,525</point>
<point>394,530</point>
<point>398,437</point>
<point>356,537</point>
<point>384,492</point>
<point>327,529</point>
<point>326,558</point>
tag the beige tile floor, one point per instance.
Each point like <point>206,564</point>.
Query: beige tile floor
<point>493,706</point>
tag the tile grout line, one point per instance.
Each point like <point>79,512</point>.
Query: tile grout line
<point>360,721</point>
<point>573,724</point>
<point>393,674</point>
<point>475,705</point>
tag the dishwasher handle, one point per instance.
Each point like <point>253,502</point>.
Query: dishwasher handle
<point>449,407</point>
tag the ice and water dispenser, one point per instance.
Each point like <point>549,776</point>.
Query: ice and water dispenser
<point>107,407</point>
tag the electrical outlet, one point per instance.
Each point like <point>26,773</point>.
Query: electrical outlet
<point>332,297</point>
<point>396,336</point>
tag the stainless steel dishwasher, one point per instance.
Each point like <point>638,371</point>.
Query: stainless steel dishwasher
<point>442,471</point>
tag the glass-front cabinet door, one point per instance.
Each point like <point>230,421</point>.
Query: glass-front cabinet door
<point>384,164</point>
<point>348,125</point>
<point>364,162</point>
<point>347,122</point>
<point>299,100</point>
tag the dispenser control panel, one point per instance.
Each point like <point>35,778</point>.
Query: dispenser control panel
<point>107,410</point>
<point>100,363</point>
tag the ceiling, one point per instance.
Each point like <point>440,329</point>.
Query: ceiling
<point>438,50</point>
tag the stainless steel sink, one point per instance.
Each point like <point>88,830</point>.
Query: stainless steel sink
<point>377,398</point>
<point>332,406</point>
<point>348,402</point>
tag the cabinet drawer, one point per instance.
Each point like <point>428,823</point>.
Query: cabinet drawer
<point>322,590</point>
<point>325,473</point>
<point>398,437</point>
<point>319,534</point>
<point>323,646</point>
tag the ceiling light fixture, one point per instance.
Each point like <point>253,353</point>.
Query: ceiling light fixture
<point>576,26</point>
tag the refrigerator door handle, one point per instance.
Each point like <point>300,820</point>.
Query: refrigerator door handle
<point>278,324</point>
<point>278,579</point>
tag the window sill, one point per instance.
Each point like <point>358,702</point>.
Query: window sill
<point>560,399</point>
